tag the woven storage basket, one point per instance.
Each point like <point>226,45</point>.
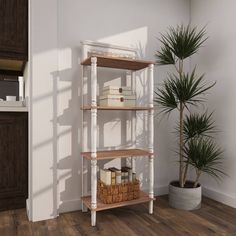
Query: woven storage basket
<point>119,192</point>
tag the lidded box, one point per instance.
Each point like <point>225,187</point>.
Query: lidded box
<point>117,97</point>
<point>117,90</point>
<point>115,100</point>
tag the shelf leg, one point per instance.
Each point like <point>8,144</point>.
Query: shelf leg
<point>151,138</point>
<point>93,140</point>
<point>93,81</point>
<point>151,207</point>
<point>94,191</point>
<point>133,121</point>
<point>84,166</point>
<point>151,183</point>
<point>93,218</point>
<point>151,160</point>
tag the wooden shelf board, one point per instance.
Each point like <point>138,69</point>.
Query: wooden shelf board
<point>118,63</point>
<point>118,108</point>
<point>101,206</point>
<point>111,154</point>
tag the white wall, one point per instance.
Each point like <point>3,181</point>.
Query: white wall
<point>57,29</point>
<point>217,60</point>
<point>128,23</point>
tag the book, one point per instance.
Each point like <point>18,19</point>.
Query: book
<point>105,176</point>
<point>113,176</point>
<point>117,174</point>
<point>124,175</point>
<point>130,173</point>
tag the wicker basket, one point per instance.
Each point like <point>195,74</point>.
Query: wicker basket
<point>119,192</point>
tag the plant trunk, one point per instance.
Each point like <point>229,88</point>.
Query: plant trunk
<point>181,143</point>
<point>181,140</point>
<point>198,172</point>
<point>181,65</point>
<point>185,172</point>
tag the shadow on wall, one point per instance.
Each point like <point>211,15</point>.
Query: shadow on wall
<point>116,124</point>
<point>113,131</point>
<point>69,23</point>
<point>68,167</point>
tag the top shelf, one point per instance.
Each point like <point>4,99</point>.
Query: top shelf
<point>118,63</point>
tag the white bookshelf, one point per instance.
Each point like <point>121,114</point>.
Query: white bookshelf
<point>95,55</point>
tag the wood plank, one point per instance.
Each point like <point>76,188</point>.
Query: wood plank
<point>217,220</point>
<point>6,218</point>
<point>118,63</point>
<point>119,227</point>
<point>213,218</point>
<point>111,154</point>
<point>81,223</point>
<point>21,222</point>
<point>192,222</point>
<point>101,206</point>
<point>40,228</point>
<point>111,108</point>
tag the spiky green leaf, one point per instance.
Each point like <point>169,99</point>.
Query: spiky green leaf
<point>165,56</point>
<point>188,90</point>
<point>204,155</point>
<point>197,125</point>
<point>181,42</point>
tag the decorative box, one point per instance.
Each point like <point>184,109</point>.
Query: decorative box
<point>119,192</point>
<point>117,100</point>
<point>108,90</point>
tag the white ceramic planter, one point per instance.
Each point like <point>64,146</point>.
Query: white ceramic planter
<point>185,198</point>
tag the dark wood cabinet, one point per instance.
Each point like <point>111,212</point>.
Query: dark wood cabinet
<point>13,34</point>
<point>13,160</point>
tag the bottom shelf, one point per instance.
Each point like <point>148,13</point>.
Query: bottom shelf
<point>143,197</point>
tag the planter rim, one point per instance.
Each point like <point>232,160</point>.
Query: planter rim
<point>189,181</point>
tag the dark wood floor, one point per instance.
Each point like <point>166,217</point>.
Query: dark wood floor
<point>212,219</point>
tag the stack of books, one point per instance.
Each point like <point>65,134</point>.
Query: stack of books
<point>114,176</point>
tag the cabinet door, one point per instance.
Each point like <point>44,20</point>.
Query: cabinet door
<point>13,160</point>
<point>14,29</point>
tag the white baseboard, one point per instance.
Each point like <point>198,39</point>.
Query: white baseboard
<point>163,190</point>
<point>220,197</point>
<point>75,204</point>
<point>158,191</point>
<point>70,205</point>
<point>208,192</point>
<point>27,209</point>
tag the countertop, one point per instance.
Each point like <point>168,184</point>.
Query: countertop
<point>13,106</point>
<point>13,109</point>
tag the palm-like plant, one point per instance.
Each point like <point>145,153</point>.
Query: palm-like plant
<point>204,156</point>
<point>182,90</point>
<point>198,125</point>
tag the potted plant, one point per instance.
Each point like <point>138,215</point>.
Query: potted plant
<point>180,92</point>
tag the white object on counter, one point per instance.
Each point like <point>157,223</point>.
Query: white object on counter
<point>21,88</point>
<point>11,98</point>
